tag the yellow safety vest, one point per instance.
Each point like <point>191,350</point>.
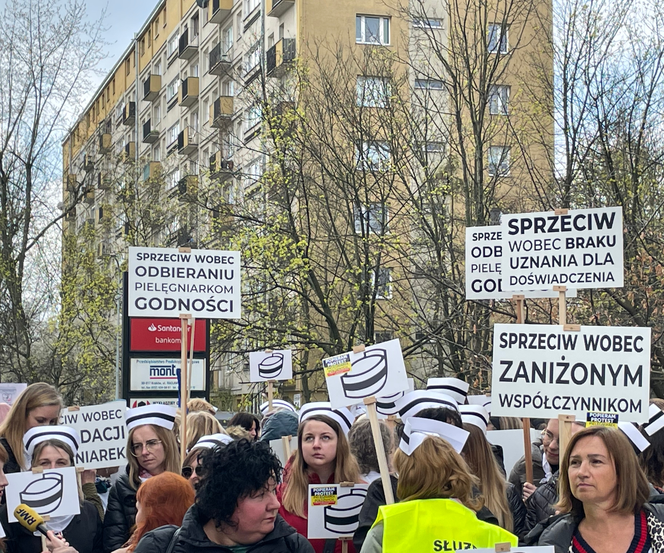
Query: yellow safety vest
<point>436,525</point>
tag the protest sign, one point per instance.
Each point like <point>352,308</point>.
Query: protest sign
<point>334,510</point>
<point>152,374</point>
<point>387,406</point>
<point>53,492</point>
<point>378,370</point>
<point>580,248</point>
<point>484,261</point>
<point>542,371</point>
<point>278,449</point>
<point>274,365</point>
<point>512,443</point>
<point>9,391</point>
<point>166,282</point>
<point>103,434</point>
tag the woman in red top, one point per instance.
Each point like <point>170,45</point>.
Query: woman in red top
<point>323,457</point>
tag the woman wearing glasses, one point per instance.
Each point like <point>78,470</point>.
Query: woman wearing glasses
<point>191,468</point>
<point>152,450</point>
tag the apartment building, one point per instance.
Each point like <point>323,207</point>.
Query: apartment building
<point>174,132</point>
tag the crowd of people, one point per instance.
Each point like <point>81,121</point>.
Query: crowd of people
<point>231,494</point>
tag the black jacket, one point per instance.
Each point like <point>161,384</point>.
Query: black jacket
<point>120,514</point>
<point>518,473</point>
<point>540,504</point>
<point>376,497</point>
<point>84,533</point>
<point>11,465</point>
<point>192,539</point>
<point>518,510</point>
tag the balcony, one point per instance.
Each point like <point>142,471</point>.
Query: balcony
<point>280,56</point>
<point>88,163</point>
<point>187,142</point>
<point>188,93</point>
<point>187,49</point>
<point>72,182</point>
<point>150,135</point>
<point>276,8</point>
<point>151,88</point>
<point>220,168</point>
<point>188,186</point>
<point>129,114</point>
<point>89,195</point>
<point>221,112</point>
<point>103,180</point>
<point>105,143</point>
<point>220,10</point>
<point>129,151</point>
<point>220,63</point>
<point>151,170</point>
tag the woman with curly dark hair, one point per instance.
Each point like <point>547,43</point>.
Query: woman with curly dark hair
<point>235,508</point>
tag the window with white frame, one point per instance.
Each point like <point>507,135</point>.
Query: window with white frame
<point>194,71</point>
<point>194,121</point>
<point>172,134</point>
<point>373,156</point>
<point>156,114</point>
<point>499,161</point>
<point>253,172</point>
<point>157,68</point>
<point>227,39</point>
<point>370,218</point>
<point>227,88</point>
<point>172,45</point>
<point>156,153</point>
<point>499,96</point>
<point>194,26</point>
<point>434,147</point>
<point>251,5</point>
<point>253,116</point>
<point>428,84</point>
<point>497,39</point>
<point>173,178</point>
<point>383,284</point>
<point>373,92</point>
<point>172,89</point>
<point>253,58</point>
<point>372,29</point>
<point>423,23</point>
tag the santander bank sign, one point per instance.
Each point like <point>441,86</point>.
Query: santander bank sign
<point>148,334</point>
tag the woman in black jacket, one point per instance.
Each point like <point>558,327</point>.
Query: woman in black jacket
<point>151,450</point>
<point>236,506</point>
<point>55,447</point>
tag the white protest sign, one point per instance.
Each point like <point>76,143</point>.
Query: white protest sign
<point>277,447</point>
<point>166,282</point>
<point>378,371</point>
<point>161,374</point>
<point>386,406</point>
<point>582,248</point>
<point>53,492</point>
<point>103,434</point>
<point>542,371</point>
<point>484,262</point>
<point>9,391</point>
<point>275,365</point>
<point>334,510</point>
<point>512,443</point>
<point>524,549</point>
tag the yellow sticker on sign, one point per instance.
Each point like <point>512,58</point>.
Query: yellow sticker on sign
<point>339,364</point>
<point>602,419</point>
<point>324,495</point>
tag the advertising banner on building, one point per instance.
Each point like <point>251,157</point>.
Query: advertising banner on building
<point>580,248</point>
<point>541,371</point>
<point>166,282</point>
<point>148,375</point>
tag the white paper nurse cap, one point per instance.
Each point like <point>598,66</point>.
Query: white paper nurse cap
<point>634,435</point>
<point>418,429</point>
<point>280,403</point>
<point>342,415</point>
<point>212,440</point>
<point>475,414</point>
<point>414,402</point>
<point>40,434</point>
<point>655,420</point>
<point>453,387</point>
<point>155,414</point>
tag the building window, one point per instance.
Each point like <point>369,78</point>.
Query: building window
<point>238,23</point>
<point>499,161</point>
<point>127,66</point>
<point>373,156</point>
<point>383,336</point>
<point>372,92</point>
<point>172,179</point>
<point>250,6</point>
<point>194,26</point>
<point>156,153</point>
<point>371,29</point>
<point>428,84</point>
<point>384,283</point>
<point>498,43</point>
<point>428,23</point>
<point>253,116</point>
<point>156,114</point>
<point>253,58</point>
<point>253,173</point>
<point>227,40</point>
<point>172,135</point>
<point>172,89</point>
<point>499,96</point>
<point>227,88</point>
<point>172,45</point>
<point>434,147</point>
<point>157,68</point>
<point>372,218</point>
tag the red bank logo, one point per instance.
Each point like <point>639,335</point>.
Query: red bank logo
<point>163,335</point>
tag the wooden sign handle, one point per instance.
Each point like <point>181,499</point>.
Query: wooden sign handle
<point>190,370</point>
<point>270,395</point>
<point>527,449</point>
<point>564,432</point>
<point>562,304</point>
<point>370,402</point>
<point>285,440</point>
<point>344,545</point>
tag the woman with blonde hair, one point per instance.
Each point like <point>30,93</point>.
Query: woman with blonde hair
<point>152,450</point>
<point>322,457</point>
<point>437,511</point>
<point>201,423</point>
<point>38,405</point>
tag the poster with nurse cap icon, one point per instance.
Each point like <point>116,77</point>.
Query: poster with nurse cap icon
<point>334,510</point>
<point>270,365</point>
